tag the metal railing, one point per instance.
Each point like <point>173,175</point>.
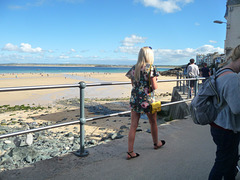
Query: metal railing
<point>82,120</point>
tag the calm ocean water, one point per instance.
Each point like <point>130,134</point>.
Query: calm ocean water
<point>53,69</point>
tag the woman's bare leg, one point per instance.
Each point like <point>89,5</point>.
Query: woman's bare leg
<point>154,129</point>
<point>132,132</point>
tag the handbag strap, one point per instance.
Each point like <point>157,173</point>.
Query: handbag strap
<point>149,79</point>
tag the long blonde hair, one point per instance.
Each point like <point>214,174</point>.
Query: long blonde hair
<point>145,56</point>
<point>234,56</point>
<point>236,53</point>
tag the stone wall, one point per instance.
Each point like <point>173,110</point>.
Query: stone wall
<point>178,111</point>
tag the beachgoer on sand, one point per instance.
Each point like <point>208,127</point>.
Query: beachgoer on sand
<point>139,102</point>
<point>225,130</point>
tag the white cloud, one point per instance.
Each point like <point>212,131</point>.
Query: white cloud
<point>167,6</point>
<point>63,56</point>
<point>132,40</point>
<point>166,56</point>
<point>212,41</point>
<point>77,56</point>
<point>24,47</point>
<point>10,47</point>
<point>128,49</point>
<point>180,55</point>
<point>129,44</point>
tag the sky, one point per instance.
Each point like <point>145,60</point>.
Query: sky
<point>109,31</point>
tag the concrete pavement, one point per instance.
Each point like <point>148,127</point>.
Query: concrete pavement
<point>188,155</point>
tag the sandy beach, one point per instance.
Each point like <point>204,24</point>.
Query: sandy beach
<point>45,97</point>
<point>62,105</point>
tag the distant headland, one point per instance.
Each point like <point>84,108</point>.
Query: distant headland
<point>82,65</point>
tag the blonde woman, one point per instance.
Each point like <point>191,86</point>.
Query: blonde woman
<point>140,75</point>
<point>226,128</point>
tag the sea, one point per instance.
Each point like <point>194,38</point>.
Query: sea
<point>65,69</point>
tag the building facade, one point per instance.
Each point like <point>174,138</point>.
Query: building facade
<point>210,58</point>
<point>232,16</point>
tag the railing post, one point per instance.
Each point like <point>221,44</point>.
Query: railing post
<point>184,84</point>
<point>196,86</point>
<point>82,152</point>
<point>177,78</point>
<point>189,90</point>
<point>180,82</point>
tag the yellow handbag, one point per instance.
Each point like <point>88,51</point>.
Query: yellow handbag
<point>154,106</point>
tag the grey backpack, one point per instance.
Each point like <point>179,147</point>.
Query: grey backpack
<point>202,108</point>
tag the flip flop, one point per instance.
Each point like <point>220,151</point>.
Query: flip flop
<point>157,147</point>
<point>131,157</point>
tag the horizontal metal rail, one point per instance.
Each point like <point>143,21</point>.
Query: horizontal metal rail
<point>27,88</point>
<point>78,121</point>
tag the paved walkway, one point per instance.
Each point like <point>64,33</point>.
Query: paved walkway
<point>188,155</point>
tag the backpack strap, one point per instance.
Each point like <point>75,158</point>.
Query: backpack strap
<point>216,75</point>
<point>223,70</point>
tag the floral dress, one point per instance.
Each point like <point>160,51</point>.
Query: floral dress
<point>139,100</point>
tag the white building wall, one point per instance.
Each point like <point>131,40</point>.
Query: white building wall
<point>233,27</point>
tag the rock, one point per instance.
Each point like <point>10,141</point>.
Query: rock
<point>17,141</point>
<point>2,132</point>
<point>28,159</point>
<point>69,134</point>
<point>29,139</point>
<point>7,142</point>
<point>6,147</point>
<point>92,142</point>
<point>54,153</point>
<point>4,121</point>
<point>119,136</point>
<point>6,160</point>
<point>113,136</point>
<point>148,131</point>
<point>23,143</point>
<point>71,138</point>
<point>124,127</point>
<point>138,130</point>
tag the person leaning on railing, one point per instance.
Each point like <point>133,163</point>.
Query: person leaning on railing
<point>226,128</point>
<point>142,75</point>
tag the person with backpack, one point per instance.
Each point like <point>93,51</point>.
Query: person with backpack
<point>225,129</point>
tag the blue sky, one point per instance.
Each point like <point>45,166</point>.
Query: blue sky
<point>109,31</point>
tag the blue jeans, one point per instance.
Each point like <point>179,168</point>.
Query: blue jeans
<point>226,155</point>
